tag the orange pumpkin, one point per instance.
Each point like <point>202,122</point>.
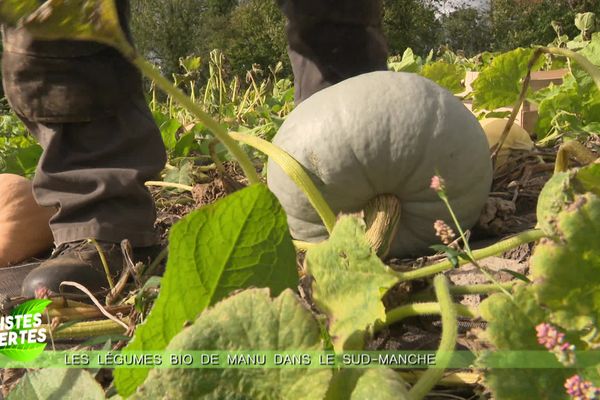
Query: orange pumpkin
<point>24,230</point>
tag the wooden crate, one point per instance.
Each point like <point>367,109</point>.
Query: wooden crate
<point>527,116</point>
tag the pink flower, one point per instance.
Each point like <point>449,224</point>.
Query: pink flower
<point>548,336</point>
<point>437,183</point>
<point>553,340</point>
<point>443,231</point>
<point>580,389</point>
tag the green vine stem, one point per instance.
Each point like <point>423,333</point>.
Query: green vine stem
<point>486,288</point>
<point>88,329</point>
<point>449,334</point>
<point>452,379</point>
<point>295,171</point>
<point>219,131</point>
<point>81,313</point>
<point>490,251</point>
<point>417,309</point>
<point>172,185</point>
<point>303,246</point>
<point>109,278</point>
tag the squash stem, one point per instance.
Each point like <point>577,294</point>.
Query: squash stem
<point>490,251</point>
<point>382,216</point>
<point>484,288</point>
<point>295,171</point>
<point>449,334</point>
<point>573,149</point>
<point>516,107</point>
<point>413,310</point>
<point>219,131</point>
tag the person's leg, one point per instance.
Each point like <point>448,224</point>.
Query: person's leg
<point>332,40</point>
<point>85,104</point>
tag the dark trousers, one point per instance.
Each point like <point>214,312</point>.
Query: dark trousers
<point>85,105</point>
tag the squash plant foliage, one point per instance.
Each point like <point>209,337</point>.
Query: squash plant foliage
<point>232,265</point>
<point>565,293</point>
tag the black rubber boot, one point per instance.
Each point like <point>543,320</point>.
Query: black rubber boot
<point>80,262</point>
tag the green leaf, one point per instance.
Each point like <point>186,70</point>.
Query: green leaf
<point>449,76</point>
<point>450,253</point>
<point>585,22</point>
<point>407,63</point>
<point>184,173</point>
<point>94,20</point>
<point>185,144</point>
<point>372,384</point>
<point>499,84</point>
<point>589,178</point>
<point>12,11</point>
<point>350,281</point>
<point>554,100</point>
<point>559,192</point>
<point>511,327</point>
<point>238,242</point>
<point>21,160</point>
<point>168,130</point>
<point>567,270</point>
<point>57,384</point>
<point>592,50</point>
<point>516,275</point>
<point>250,320</point>
<point>191,63</point>
<point>380,384</point>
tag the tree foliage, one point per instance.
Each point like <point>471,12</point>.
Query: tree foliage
<point>467,29</point>
<point>411,23</point>
<point>520,23</point>
<point>165,30</point>
<point>247,31</point>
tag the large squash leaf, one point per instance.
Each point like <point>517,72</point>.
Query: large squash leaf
<point>511,327</point>
<point>567,271</point>
<point>57,384</point>
<point>560,191</point>
<point>95,20</point>
<point>367,384</point>
<point>350,281</point>
<point>238,242</point>
<point>499,84</point>
<point>250,320</point>
<point>380,384</point>
<point>565,290</point>
<point>449,76</point>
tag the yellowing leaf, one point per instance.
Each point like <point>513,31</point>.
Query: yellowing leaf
<point>350,281</point>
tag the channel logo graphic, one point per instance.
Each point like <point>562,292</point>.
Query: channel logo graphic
<point>22,336</point>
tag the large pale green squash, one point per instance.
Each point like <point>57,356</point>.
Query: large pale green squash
<point>385,133</point>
